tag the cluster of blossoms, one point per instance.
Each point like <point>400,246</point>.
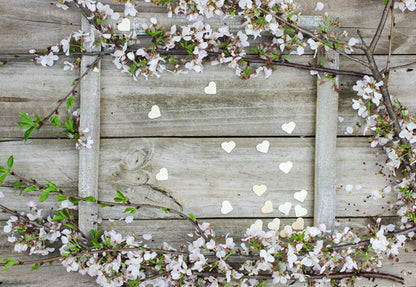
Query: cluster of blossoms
<point>399,148</point>
<point>115,259</point>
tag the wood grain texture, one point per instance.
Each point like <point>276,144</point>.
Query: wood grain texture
<point>176,231</point>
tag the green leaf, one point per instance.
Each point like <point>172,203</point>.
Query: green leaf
<point>192,217</point>
<point>26,119</point>
<point>131,210</point>
<point>10,161</point>
<point>61,197</point>
<point>70,226</point>
<point>45,195</point>
<point>69,124</point>
<point>59,217</point>
<point>385,1</point>
<point>10,262</point>
<point>30,188</point>
<point>28,132</point>
<point>55,121</point>
<point>18,184</point>
<point>3,169</point>
<point>103,205</point>
<point>120,197</point>
<point>90,199</point>
<point>75,200</point>
<point>34,267</point>
<point>3,177</point>
<point>69,103</point>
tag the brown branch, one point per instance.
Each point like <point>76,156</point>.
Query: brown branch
<point>392,24</point>
<point>401,66</point>
<point>313,36</point>
<point>24,218</point>
<point>71,92</point>
<point>380,27</point>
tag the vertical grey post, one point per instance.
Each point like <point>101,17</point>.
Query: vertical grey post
<point>88,158</point>
<point>325,147</point>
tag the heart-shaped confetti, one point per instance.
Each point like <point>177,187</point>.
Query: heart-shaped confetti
<point>285,208</point>
<point>124,26</point>
<point>300,211</point>
<point>286,166</point>
<point>286,232</point>
<point>299,224</point>
<point>257,225</point>
<point>274,225</point>
<point>263,147</point>
<point>228,146</point>
<point>226,207</point>
<point>211,89</point>
<point>259,189</point>
<point>154,112</point>
<point>162,174</point>
<point>300,195</point>
<point>289,127</point>
<point>267,207</point>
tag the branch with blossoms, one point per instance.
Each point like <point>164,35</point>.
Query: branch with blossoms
<point>315,255</point>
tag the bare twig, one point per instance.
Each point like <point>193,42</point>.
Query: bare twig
<point>401,66</point>
<point>392,24</point>
<point>380,27</point>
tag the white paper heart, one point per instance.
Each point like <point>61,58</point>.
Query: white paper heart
<point>274,225</point>
<point>300,211</point>
<point>257,226</point>
<point>299,224</point>
<point>286,166</point>
<point>228,146</point>
<point>285,208</point>
<point>154,112</point>
<point>287,231</point>
<point>263,147</point>
<point>162,174</point>
<point>259,189</point>
<point>289,127</point>
<point>267,207</point>
<point>226,207</point>
<point>300,195</point>
<point>211,89</point>
<point>124,26</point>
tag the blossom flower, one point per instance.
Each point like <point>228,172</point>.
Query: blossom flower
<point>47,60</point>
<point>129,9</point>
<point>90,4</point>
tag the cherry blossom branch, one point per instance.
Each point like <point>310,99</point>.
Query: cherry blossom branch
<point>71,92</point>
<point>392,24</point>
<point>389,5</point>
<point>137,206</point>
<point>313,36</point>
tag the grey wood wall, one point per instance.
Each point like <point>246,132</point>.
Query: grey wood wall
<point>187,138</point>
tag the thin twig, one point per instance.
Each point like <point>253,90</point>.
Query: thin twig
<point>392,24</point>
<point>380,27</point>
<point>401,66</point>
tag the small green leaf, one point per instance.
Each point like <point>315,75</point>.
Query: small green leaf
<point>385,2</point>
<point>164,209</point>
<point>192,217</point>
<point>18,184</point>
<point>131,210</point>
<point>75,200</point>
<point>69,103</point>
<point>26,119</point>
<point>10,262</point>
<point>45,195</point>
<point>10,161</point>
<point>70,226</point>
<point>61,197</point>
<point>3,177</point>
<point>3,169</point>
<point>28,132</point>
<point>90,199</point>
<point>59,217</point>
<point>30,188</point>
<point>55,121</point>
<point>34,267</point>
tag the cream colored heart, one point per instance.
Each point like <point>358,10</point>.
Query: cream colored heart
<point>300,195</point>
<point>211,89</point>
<point>289,127</point>
<point>162,174</point>
<point>274,225</point>
<point>286,166</point>
<point>257,225</point>
<point>263,147</point>
<point>267,207</point>
<point>124,26</point>
<point>226,207</point>
<point>299,224</point>
<point>285,208</point>
<point>259,189</point>
<point>154,112</point>
<point>300,211</point>
<point>228,146</point>
<point>287,230</point>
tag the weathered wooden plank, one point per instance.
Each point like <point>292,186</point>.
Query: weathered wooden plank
<point>90,121</point>
<point>199,169</point>
<point>174,232</point>
<point>240,108</point>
